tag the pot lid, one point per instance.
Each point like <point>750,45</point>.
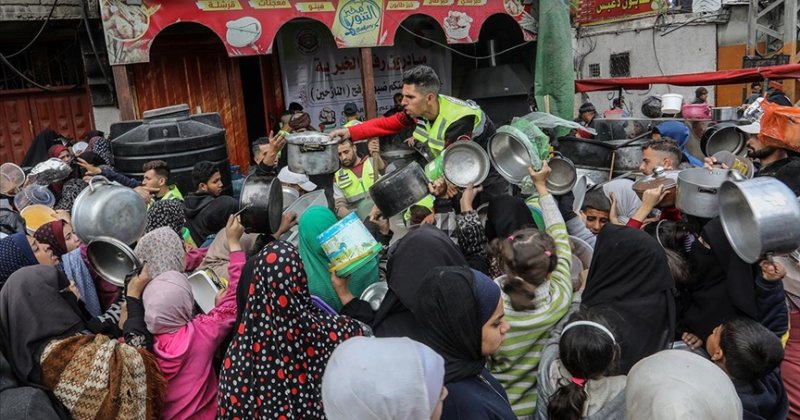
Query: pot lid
<point>311,137</point>
<point>659,177</point>
<point>112,259</point>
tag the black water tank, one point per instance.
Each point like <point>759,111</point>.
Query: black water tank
<point>175,136</point>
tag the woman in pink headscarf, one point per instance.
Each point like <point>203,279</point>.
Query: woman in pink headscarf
<point>185,345</point>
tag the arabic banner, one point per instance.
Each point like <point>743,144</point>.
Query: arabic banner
<point>323,78</point>
<point>249,27</point>
<point>593,12</point>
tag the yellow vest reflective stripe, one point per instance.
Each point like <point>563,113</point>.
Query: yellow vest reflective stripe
<point>355,189</point>
<point>351,123</point>
<point>450,109</point>
<point>426,202</point>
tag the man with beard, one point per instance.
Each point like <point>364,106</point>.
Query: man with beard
<point>771,160</point>
<point>355,175</point>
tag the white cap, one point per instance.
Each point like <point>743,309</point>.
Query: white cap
<point>288,177</point>
<point>753,128</point>
<point>79,147</point>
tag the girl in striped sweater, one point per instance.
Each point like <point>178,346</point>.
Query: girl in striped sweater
<point>537,293</point>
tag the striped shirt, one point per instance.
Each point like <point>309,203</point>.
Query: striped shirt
<point>516,364</point>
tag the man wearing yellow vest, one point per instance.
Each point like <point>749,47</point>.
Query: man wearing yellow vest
<point>355,175</point>
<point>440,120</point>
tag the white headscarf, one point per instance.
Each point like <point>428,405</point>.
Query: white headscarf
<point>678,384</point>
<point>627,200</point>
<point>382,379</point>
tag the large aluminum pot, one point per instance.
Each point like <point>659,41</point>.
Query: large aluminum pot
<point>399,190</point>
<point>107,209</point>
<point>723,136</point>
<point>312,153</point>
<point>725,113</point>
<point>261,204</point>
<point>760,216</point>
<point>113,260</point>
<point>511,152</point>
<point>698,191</point>
<point>465,162</point>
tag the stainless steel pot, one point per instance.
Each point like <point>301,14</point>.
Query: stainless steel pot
<point>723,136</point>
<point>668,179</point>
<point>261,204</point>
<point>107,209</point>
<point>312,153</point>
<point>511,152</point>
<point>563,175</point>
<point>760,216</point>
<point>724,113</point>
<point>698,191</point>
<point>289,196</point>
<point>113,260</point>
<point>399,190</point>
<point>465,162</point>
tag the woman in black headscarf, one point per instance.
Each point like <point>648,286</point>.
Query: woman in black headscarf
<point>630,285</point>
<point>40,146</point>
<point>722,287</point>
<point>460,312</point>
<point>409,261</point>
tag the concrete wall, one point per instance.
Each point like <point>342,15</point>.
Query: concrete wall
<point>39,9</point>
<point>688,49</point>
<point>104,116</point>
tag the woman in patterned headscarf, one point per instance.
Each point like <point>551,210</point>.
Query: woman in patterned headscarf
<point>69,193</point>
<point>274,365</point>
<point>101,147</point>
<point>20,250</point>
<point>163,251</point>
<point>169,213</point>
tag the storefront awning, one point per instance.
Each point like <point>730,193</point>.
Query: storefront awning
<point>249,27</point>
<point>722,77</point>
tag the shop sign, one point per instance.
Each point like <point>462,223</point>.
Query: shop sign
<point>592,12</point>
<point>249,27</point>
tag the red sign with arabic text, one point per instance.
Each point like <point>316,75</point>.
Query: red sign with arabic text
<point>249,27</point>
<point>594,12</point>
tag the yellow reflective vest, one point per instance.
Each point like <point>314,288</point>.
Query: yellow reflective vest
<point>450,110</point>
<point>355,189</point>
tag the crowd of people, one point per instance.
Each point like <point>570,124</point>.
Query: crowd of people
<point>498,305</point>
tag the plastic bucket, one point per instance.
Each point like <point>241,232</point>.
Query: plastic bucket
<point>671,103</point>
<point>348,245</point>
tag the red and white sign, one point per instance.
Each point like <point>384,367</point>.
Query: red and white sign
<point>593,12</point>
<point>249,27</point>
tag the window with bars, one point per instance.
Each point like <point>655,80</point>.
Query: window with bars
<point>50,64</point>
<point>594,70</point>
<point>620,65</point>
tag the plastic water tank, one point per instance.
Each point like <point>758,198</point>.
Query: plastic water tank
<point>174,135</point>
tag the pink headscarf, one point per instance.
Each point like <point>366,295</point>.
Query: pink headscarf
<point>168,303</point>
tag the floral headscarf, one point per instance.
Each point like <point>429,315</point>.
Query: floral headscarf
<point>274,365</point>
<point>52,234</point>
<point>101,147</point>
<point>162,250</point>
<point>69,193</point>
<point>169,213</point>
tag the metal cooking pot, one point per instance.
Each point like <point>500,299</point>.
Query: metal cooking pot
<point>659,177</point>
<point>760,216</point>
<point>724,113</point>
<point>465,162</point>
<point>625,154</point>
<point>113,260</point>
<point>563,175</point>
<point>289,196</point>
<point>261,204</point>
<point>723,136</point>
<point>739,164</point>
<point>108,209</point>
<point>312,153</point>
<point>399,190</point>
<point>511,152</point>
<point>698,191</point>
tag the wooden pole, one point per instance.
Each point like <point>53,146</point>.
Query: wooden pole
<point>125,97</point>
<point>368,82</point>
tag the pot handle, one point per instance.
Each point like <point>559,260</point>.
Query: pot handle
<point>94,178</point>
<point>707,190</point>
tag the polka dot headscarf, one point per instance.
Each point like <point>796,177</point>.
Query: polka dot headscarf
<point>274,365</point>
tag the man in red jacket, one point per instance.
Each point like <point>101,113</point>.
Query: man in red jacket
<point>439,121</point>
